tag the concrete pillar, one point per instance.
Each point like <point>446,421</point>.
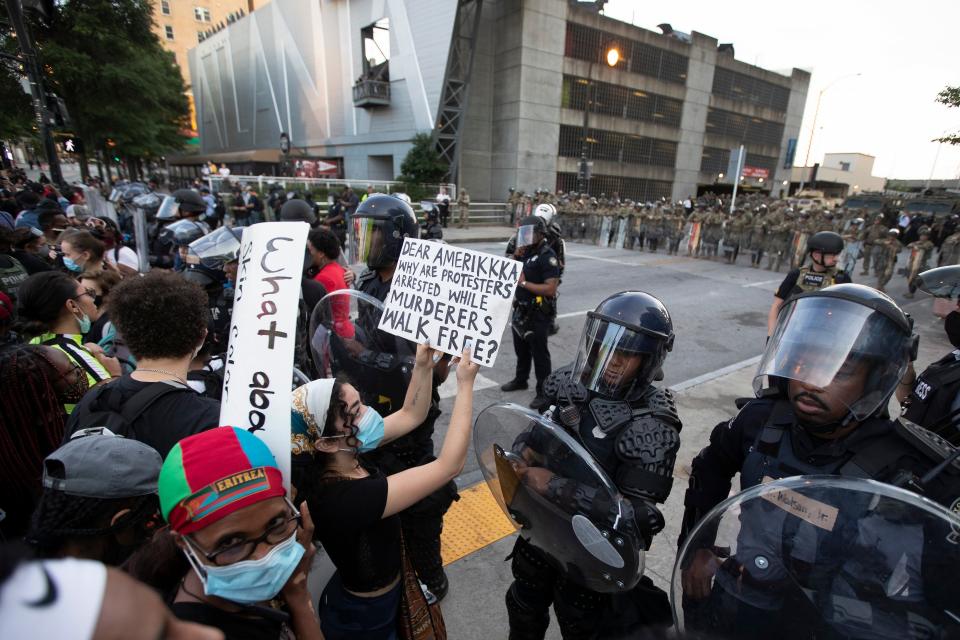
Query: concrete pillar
<point>799,85</point>
<point>693,124</point>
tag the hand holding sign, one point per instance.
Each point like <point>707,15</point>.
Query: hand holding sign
<point>451,298</point>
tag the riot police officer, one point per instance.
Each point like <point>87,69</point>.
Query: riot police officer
<point>532,306</point>
<point>822,387</point>
<point>380,224</point>
<point>932,399</point>
<point>607,401</point>
<point>824,249</point>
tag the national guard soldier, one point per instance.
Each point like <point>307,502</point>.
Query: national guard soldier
<point>655,228</point>
<point>852,245</point>
<point>949,250</point>
<point>778,240</point>
<point>920,252</point>
<point>932,399</point>
<point>758,235</point>
<point>872,235</point>
<point>675,224</point>
<point>607,402</point>
<point>532,306</point>
<point>885,257</point>
<point>824,249</point>
<point>712,232</point>
<point>381,222</point>
<point>822,386</point>
<point>695,235</point>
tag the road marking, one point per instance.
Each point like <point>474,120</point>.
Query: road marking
<point>449,387</point>
<point>713,375</point>
<point>573,314</point>
<point>762,284</point>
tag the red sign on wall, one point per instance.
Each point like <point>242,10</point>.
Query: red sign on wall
<point>755,172</point>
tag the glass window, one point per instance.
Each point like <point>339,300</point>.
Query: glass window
<point>201,14</point>
<point>165,7</point>
<point>168,31</point>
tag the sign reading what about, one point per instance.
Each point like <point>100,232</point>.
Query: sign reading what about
<point>259,369</point>
<point>451,298</point>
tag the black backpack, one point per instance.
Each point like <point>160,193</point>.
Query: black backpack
<point>104,409</point>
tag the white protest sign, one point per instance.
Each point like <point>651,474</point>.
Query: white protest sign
<point>450,297</point>
<point>259,369</point>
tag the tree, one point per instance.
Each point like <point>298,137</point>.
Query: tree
<point>950,96</point>
<point>422,165</point>
<point>121,88</point>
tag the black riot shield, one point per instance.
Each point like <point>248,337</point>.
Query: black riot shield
<point>820,557</point>
<point>559,498</point>
<point>344,340</point>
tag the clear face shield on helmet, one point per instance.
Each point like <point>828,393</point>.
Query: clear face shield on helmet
<point>855,352</point>
<point>526,235</point>
<point>369,242</point>
<point>613,358</point>
<point>168,209</point>
<point>216,248</point>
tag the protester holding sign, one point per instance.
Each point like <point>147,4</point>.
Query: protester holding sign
<point>361,529</point>
<point>380,226</point>
<point>532,307</point>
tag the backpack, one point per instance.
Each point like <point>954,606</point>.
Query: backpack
<point>104,409</point>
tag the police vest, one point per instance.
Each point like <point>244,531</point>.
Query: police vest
<point>772,455</point>
<point>810,280</point>
<point>11,277</point>
<point>931,399</point>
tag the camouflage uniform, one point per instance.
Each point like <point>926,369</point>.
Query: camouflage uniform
<point>654,229</point>
<point>758,238</point>
<point>712,232</point>
<point>871,236</point>
<point>885,259</point>
<point>950,250</point>
<point>778,246</point>
<point>924,249</point>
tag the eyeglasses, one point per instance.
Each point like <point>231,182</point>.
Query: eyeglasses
<point>242,550</point>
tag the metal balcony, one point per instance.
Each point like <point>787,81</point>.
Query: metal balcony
<point>371,93</point>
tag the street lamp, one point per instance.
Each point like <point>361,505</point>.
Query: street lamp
<point>816,113</point>
<point>719,176</point>
<point>612,57</point>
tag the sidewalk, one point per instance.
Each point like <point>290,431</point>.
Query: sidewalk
<point>474,609</point>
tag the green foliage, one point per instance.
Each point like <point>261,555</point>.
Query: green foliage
<point>119,84</point>
<point>423,163</point>
<point>950,96</point>
<point>16,108</point>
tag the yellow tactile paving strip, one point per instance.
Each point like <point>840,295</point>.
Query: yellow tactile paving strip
<point>472,522</point>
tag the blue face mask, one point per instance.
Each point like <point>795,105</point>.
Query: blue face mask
<point>69,263</point>
<point>250,581</point>
<point>370,430</point>
<point>85,324</point>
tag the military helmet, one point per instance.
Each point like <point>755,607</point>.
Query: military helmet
<point>923,231</point>
<point>825,242</point>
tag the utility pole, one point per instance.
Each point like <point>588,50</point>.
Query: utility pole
<point>31,62</point>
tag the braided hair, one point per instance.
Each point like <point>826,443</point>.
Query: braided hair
<point>31,422</point>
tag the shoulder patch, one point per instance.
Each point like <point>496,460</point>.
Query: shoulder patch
<point>553,262</point>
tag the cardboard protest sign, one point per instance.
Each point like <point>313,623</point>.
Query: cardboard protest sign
<point>451,297</point>
<point>259,368</point>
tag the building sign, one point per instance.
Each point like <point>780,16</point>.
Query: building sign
<point>755,172</point>
<point>316,168</point>
<point>791,152</point>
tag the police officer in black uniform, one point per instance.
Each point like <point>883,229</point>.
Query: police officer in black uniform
<point>824,249</point>
<point>933,401</point>
<point>381,222</point>
<point>607,401</point>
<point>823,385</point>
<point>532,306</point>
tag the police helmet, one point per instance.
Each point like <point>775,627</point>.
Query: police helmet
<point>131,190</point>
<point>210,279</point>
<point>182,232</point>
<point>380,224</point>
<point>296,211</point>
<point>857,221</point>
<point>828,336</point>
<point>625,325</point>
<point>528,228</point>
<point>190,201</point>
<point>825,242</point>
<point>218,247</point>
<point>149,203</point>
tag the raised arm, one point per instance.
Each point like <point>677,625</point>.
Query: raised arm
<point>410,486</point>
<point>416,404</point>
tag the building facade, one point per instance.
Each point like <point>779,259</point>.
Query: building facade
<point>840,175</point>
<point>660,121</point>
<point>182,24</point>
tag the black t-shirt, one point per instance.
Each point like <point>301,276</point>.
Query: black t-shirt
<point>364,546</point>
<point>166,422</point>
<point>235,626</point>
<point>789,285</point>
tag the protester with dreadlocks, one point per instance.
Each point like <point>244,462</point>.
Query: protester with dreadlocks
<point>99,499</point>
<point>35,382</point>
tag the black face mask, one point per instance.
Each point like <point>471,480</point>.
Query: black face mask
<point>951,324</point>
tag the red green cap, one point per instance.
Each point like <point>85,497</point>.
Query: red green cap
<point>212,474</point>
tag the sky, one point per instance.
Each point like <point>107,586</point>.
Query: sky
<point>905,51</point>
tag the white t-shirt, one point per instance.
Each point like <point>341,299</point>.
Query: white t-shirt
<point>127,257</point>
